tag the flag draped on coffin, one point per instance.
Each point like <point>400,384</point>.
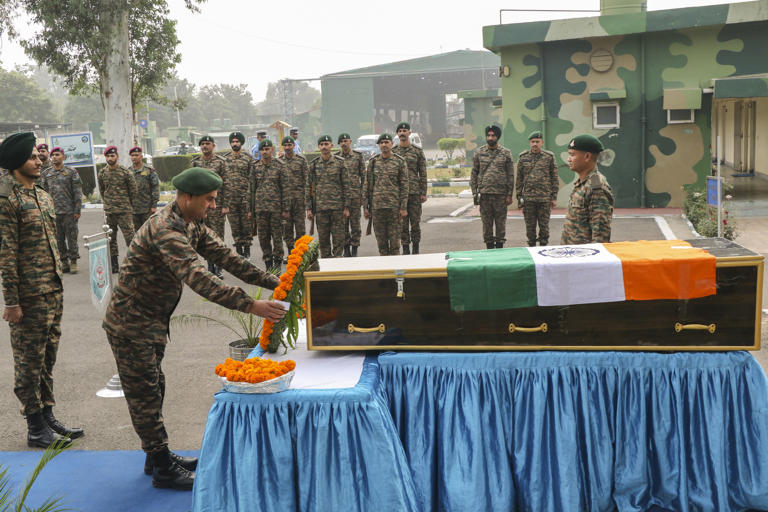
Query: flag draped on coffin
<point>579,274</point>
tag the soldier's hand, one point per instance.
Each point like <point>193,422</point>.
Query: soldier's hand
<point>12,314</point>
<point>423,199</point>
<point>554,203</point>
<point>151,210</point>
<point>77,216</point>
<point>224,211</point>
<point>286,215</point>
<point>476,199</point>
<point>268,309</point>
<point>509,200</point>
<point>403,213</point>
<point>366,213</point>
<point>309,215</point>
<point>346,212</point>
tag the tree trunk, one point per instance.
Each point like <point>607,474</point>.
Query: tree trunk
<point>116,86</point>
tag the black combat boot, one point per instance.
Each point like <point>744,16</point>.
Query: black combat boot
<point>543,243</point>
<point>58,427</point>
<point>499,245</point>
<point>247,250</point>
<point>188,463</point>
<point>65,266</point>
<point>115,265</point>
<point>353,251</point>
<point>167,474</point>
<point>347,252</point>
<point>532,244</point>
<point>489,245</point>
<point>406,249</point>
<point>415,247</point>
<point>211,268</point>
<point>239,249</point>
<point>40,435</point>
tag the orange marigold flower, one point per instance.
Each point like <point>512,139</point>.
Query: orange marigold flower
<point>279,294</point>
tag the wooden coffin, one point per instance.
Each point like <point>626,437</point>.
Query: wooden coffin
<point>403,303</point>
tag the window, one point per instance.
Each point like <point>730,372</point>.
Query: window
<point>677,116</point>
<point>605,115</point>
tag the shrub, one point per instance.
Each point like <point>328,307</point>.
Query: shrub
<point>704,217</point>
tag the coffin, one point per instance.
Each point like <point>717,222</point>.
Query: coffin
<point>404,303</point>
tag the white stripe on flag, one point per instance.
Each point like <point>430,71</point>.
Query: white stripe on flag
<point>577,274</point>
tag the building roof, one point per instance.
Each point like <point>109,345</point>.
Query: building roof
<point>498,36</point>
<point>459,60</point>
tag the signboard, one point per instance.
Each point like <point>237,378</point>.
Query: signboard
<point>143,123</point>
<point>712,191</point>
<point>77,146</point>
<point>99,271</point>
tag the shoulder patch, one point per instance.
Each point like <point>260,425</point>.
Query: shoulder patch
<point>219,157</point>
<point>523,153</point>
<point>548,152</point>
<point>6,188</point>
<point>595,182</point>
<point>357,152</point>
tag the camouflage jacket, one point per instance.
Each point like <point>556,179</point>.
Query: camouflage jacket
<point>118,189</point>
<point>386,183</point>
<point>163,257</point>
<point>356,170</point>
<point>237,177</point>
<point>148,185</point>
<point>493,171</point>
<point>537,176</point>
<point>65,188</point>
<point>417,168</point>
<point>327,184</point>
<point>589,211</point>
<point>266,188</point>
<point>296,169</point>
<point>218,165</point>
<point>29,256</point>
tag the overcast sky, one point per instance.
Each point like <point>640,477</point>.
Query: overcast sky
<point>241,41</point>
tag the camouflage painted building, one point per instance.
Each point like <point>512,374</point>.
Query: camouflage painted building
<point>481,108</point>
<point>656,87</point>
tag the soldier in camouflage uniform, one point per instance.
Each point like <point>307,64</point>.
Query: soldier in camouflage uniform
<point>591,206</point>
<point>386,196</point>
<point>118,192</point>
<point>417,187</point>
<point>356,170</point>
<point>216,163</point>
<point>493,183</point>
<point>63,184</point>
<point>240,166</point>
<point>537,186</point>
<point>327,193</point>
<point>45,157</point>
<point>162,259</point>
<point>268,205</point>
<point>148,188</point>
<point>296,172</point>
<point>32,289</point>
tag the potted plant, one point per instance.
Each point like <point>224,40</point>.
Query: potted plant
<point>7,504</point>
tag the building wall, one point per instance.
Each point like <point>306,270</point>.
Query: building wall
<point>761,137</point>
<point>347,106</point>
<point>479,112</point>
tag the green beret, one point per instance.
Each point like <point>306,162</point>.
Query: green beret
<point>586,142</point>
<point>196,181</point>
<point>384,136</point>
<point>288,139</point>
<point>344,136</point>
<point>265,143</point>
<point>403,125</point>
<point>325,138</point>
<point>536,135</point>
<point>16,149</point>
<point>206,138</point>
<point>493,128</point>
<point>237,135</point>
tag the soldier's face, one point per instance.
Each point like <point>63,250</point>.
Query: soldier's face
<point>57,158</point>
<point>43,155</point>
<point>111,159</point>
<point>31,168</point>
<point>345,144</point>
<point>288,148</point>
<point>266,152</point>
<point>385,146</point>
<point>206,147</point>
<point>295,135</point>
<point>580,160</point>
<point>236,145</point>
<point>136,158</point>
<point>403,133</point>
<point>491,139</point>
<point>199,206</point>
<point>535,145</point>
<point>325,147</point>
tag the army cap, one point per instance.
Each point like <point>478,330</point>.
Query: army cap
<point>343,136</point>
<point>287,140</point>
<point>206,138</point>
<point>196,181</point>
<point>262,133</point>
<point>109,150</point>
<point>493,128</point>
<point>266,143</point>
<point>294,130</point>
<point>135,149</point>
<point>384,136</point>
<point>586,142</point>
<point>42,146</point>
<point>403,125</point>
<point>57,149</point>
<point>237,135</point>
<point>16,149</point>
<point>536,135</point>
<point>325,138</point>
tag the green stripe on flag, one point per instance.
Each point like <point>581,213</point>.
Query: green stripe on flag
<point>492,279</point>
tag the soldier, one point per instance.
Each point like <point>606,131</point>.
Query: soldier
<point>42,150</point>
<point>183,149</point>
<point>260,136</point>
<point>32,291</point>
<point>268,205</point>
<point>327,195</point>
<point>296,172</point>
<point>386,196</point>
<point>296,146</point>
<point>591,206</point>
<point>148,186</point>
<point>215,218</point>
<point>537,186</point>
<point>118,192</point>
<point>356,170</point>
<point>63,184</point>
<point>493,183</point>
<point>417,187</point>
<point>162,259</point>
<point>240,166</point>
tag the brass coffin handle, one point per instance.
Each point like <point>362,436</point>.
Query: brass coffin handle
<point>695,327</point>
<point>515,328</point>
<point>380,328</point>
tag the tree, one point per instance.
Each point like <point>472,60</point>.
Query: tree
<point>227,101</point>
<point>304,97</point>
<point>22,100</point>
<point>81,110</point>
<point>449,145</point>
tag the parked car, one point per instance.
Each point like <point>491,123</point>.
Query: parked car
<point>415,139</point>
<point>174,150</point>
<point>366,144</point>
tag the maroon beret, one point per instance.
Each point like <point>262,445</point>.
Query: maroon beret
<point>110,149</point>
<point>57,148</point>
<point>135,148</point>
<point>42,146</point>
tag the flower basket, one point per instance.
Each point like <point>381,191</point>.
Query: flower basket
<point>268,386</point>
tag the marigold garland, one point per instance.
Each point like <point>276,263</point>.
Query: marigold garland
<point>253,370</point>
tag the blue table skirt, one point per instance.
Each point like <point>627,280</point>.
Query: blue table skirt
<point>544,431</point>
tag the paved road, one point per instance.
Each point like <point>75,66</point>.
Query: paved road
<point>85,361</point>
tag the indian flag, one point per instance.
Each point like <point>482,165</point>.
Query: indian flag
<point>562,275</point>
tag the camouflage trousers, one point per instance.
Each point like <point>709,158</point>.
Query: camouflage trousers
<point>239,224</point>
<point>270,228</point>
<point>294,226</point>
<point>386,227</point>
<point>35,342</point>
<point>352,228</point>
<point>125,222</point>
<point>66,236</point>
<point>413,219</point>
<point>330,224</point>
<point>493,211</point>
<point>215,221</point>
<point>143,382</point>
<point>537,212</point>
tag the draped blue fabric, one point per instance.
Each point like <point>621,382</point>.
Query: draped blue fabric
<point>308,450</point>
<point>556,431</point>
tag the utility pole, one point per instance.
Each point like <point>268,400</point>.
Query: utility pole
<point>178,113</point>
